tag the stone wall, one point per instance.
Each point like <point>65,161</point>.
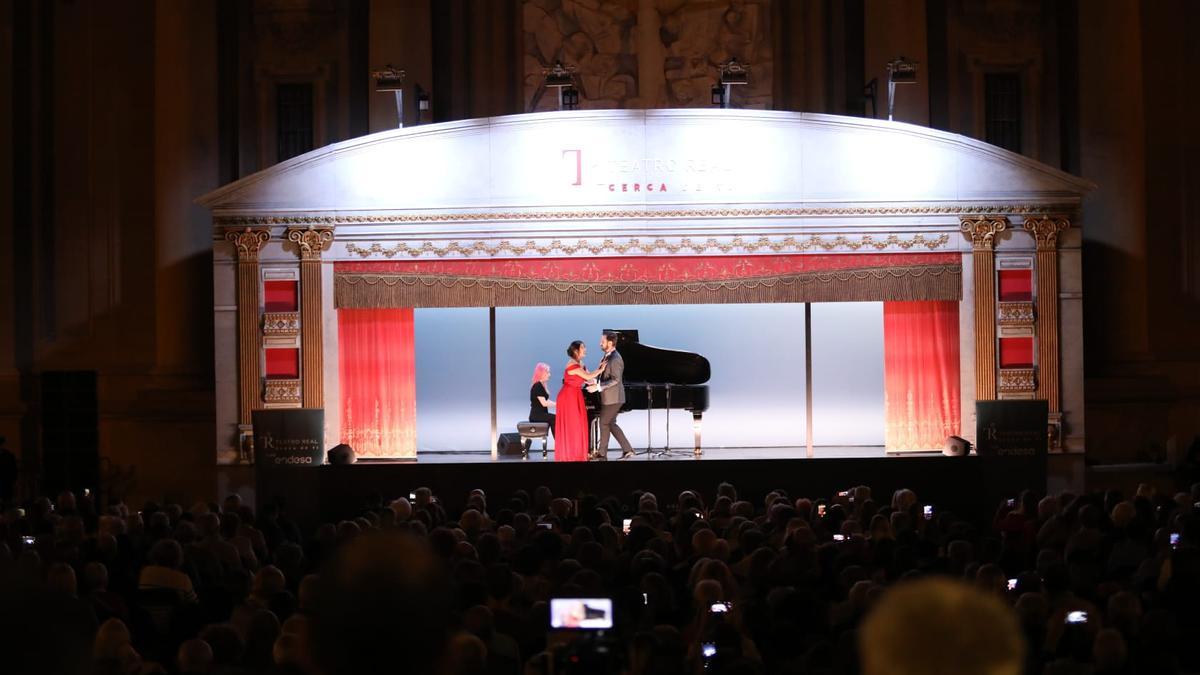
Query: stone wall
<point>647,53</point>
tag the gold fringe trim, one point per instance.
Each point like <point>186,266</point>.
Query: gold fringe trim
<point>361,290</point>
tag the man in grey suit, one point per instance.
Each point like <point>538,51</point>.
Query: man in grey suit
<point>612,397</point>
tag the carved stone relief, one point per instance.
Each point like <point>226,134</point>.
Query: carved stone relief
<point>647,53</point>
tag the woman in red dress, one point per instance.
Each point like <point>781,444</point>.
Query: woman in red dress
<point>571,425</point>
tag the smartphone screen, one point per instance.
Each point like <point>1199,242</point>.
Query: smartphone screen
<point>839,537</point>
<point>708,650</point>
<point>28,540</point>
<point>412,496</point>
<point>1174,540</point>
<point>1012,584</point>
<point>581,613</point>
<point>546,526</point>
<point>820,510</point>
<point>928,512</point>
<point>719,607</point>
<point>628,522</point>
<point>1077,617</point>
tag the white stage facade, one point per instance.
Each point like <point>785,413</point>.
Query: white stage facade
<point>642,207</point>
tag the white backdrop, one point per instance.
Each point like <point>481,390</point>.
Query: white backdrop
<point>757,354</point>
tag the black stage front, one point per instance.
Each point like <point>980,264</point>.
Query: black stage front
<point>962,484</point>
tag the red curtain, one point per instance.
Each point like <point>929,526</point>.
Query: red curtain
<point>921,379</point>
<point>376,364</point>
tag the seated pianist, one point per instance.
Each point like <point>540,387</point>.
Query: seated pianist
<point>540,402</point>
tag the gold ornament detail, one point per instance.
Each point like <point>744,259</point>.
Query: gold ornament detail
<point>637,246</point>
<point>982,230</point>
<point>1016,381</point>
<point>649,214</point>
<point>281,391</point>
<point>1045,230</point>
<point>310,240</point>
<point>248,241</point>
<point>1015,313</point>
<point>281,323</point>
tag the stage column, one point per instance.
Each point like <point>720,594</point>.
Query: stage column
<point>1045,231</point>
<point>248,242</point>
<point>310,242</point>
<point>982,231</point>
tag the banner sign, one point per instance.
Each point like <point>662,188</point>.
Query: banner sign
<point>1009,428</point>
<point>289,437</point>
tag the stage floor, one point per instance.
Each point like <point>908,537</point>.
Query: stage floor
<point>535,455</point>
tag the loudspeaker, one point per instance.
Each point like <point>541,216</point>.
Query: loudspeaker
<point>509,444</point>
<point>341,454</point>
<point>957,447</point>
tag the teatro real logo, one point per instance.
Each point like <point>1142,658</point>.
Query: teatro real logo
<point>647,174</point>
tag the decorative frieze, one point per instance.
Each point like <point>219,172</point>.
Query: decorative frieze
<point>281,392</point>
<point>281,324</point>
<point>637,246</point>
<point>1017,381</point>
<point>1015,313</point>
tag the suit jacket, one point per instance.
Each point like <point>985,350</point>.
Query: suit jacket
<point>612,382</point>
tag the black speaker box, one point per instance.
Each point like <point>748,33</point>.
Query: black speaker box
<point>509,444</point>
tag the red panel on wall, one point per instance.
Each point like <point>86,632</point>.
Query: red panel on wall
<point>1016,352</point>
<point>280,296</point>
<point>283,364</point>
<point>1016,285</point>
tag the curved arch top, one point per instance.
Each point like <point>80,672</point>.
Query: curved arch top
<point>645,160</point>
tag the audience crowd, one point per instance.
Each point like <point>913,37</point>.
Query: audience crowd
<point>854,583</point>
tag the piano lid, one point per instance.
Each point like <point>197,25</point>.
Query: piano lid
<point>646,363</point>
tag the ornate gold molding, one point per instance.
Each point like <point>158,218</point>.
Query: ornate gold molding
<point>281,323</point>
<point>248,241</point>
<point>281,392</point>
<point>635,245</point>
<point>311,240</point>
<point>1045,230</point>
<point>649,214</point>
<point>982,230</point>
<point>1015,313</point>
<point>1017,381</point>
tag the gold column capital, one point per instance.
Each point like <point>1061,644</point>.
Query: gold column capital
<point>1045,230</point>
<point>982,230</point>
<point>310,241</point>
<point>247,241</point>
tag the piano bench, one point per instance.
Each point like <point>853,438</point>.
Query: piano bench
<point>532,430</point>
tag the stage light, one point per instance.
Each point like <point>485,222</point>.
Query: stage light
<point>900,71</point>
<point>422,103</point>
<point>732,73</point>
<point>341,454</point>
<point>390,78</point>
<point>957,447</point>
<point>562,78</point>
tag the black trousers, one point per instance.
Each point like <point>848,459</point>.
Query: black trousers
<point>608,425</point>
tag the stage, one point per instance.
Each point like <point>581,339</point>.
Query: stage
<point>676,454</point>
<point>963,484</point>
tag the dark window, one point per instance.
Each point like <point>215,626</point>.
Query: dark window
<point>1002,110</point>
<point>70,431</point>
<point>294,119</point>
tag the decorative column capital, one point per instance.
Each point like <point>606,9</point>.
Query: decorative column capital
<point>310,241</point>
<point>982,230</point>
<point>1045,230</point>
<point>247,241</point>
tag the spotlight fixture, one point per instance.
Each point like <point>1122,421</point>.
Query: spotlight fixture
<point>562,78</point>
<point>390,78</point>
<point>733,73</point>
<point>900,71</point>
<point>422,103</point>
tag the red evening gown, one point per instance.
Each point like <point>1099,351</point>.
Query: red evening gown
<point>571,423</point>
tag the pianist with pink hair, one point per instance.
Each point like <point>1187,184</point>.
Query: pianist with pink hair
<point>540,402</point>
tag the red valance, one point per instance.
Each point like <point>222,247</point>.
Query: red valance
<point>648,280</point>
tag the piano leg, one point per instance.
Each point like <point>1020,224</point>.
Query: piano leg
<point>696,431</point>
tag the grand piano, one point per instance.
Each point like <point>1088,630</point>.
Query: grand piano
<point>658,379</point>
